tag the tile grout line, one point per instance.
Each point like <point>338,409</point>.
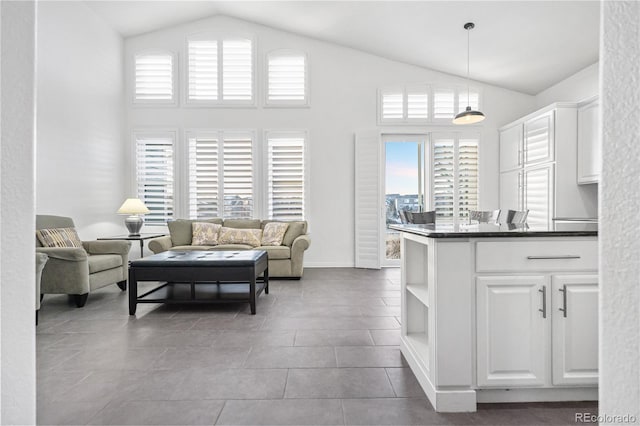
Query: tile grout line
<point>224,404</point>
<point>344,416</point>
<point>390,382</point>
<point>286,382</point>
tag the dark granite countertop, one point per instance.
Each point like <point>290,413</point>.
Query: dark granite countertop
<point>485,230</point>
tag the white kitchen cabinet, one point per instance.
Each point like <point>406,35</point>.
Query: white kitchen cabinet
<point>538,195</point>
<point>512,331</point>
<point>511,148</point>
<point>589,142</point>
<point>539,138</point>
<point>575,329</point>
<point>511,190</point>
<point>549,138</point>
<point>529,189</point>
<point>480,320</point>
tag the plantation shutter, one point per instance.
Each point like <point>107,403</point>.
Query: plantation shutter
<point>238,176</point>
<point>237,70</point>
<point>444,178</point>
<point>467,176</point>
<point>418,103</point>
<point>154,174</point>
<point>392,105</point>
<point>368,203</point>
<point>203,70</point>
<point>443,104</point>
<point>203,176</point>
<point>286,186</point>
<point>286,79</point>
<point>154,78</point>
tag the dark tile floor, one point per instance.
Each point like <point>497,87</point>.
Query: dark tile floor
<point>322,351</point>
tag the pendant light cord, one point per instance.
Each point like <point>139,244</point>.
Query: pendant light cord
<point>468,59</point>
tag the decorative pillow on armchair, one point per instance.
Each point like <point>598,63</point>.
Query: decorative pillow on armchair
<point>240,236</point>
<point>273,233</point>
<point>59,237</point>
<point>205,234</point>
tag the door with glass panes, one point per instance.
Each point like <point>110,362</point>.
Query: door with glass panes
<point>404,160</point>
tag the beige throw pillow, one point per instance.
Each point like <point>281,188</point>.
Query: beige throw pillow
<point>273,233</point>
<point>205,234</point>
<point>59,237</point>
<point>240,236</point>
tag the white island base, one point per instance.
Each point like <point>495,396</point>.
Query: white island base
<point>500,319</point>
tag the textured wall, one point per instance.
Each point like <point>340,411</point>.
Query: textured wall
<point>620,205</point>
<point>17,221</point>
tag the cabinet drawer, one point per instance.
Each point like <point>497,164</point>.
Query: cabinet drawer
<point>552,255</point>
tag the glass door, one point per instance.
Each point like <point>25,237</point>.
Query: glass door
<point>404,187</point>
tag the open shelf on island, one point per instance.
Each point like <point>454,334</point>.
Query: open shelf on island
<point>420,344</point>
<point>420,292</point>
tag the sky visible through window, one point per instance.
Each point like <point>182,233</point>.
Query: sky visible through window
<point>401,168</point>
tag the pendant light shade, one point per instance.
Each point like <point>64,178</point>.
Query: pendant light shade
<point>468,116</point>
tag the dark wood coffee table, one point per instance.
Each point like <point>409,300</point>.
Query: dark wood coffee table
<point>200,277</point>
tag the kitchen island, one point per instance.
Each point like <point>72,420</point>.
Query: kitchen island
<point>500,313</point>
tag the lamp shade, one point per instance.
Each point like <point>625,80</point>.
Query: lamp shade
<point>133,206</point>
<point>468,116</point>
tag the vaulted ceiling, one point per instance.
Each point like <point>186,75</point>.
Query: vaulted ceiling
<point>521,45</point>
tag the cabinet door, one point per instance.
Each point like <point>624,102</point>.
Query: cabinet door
<point>538,139</point>
<point>511,148</point>
<point>511,190</point>
<point>589,143</point>
<point>512,331</point>
<point>575,329</point>
<point>538,195</point>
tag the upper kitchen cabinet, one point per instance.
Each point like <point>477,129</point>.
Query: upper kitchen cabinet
<point>538,139</point>
<point>589,142</point>
<point>546,140</point>
<point>511,148</point>
<point>527,142</point>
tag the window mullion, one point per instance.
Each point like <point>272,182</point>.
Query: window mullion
<point>405,105</point>
<point>456,177</point>
<point>220,71</point>
<point>220,137</point>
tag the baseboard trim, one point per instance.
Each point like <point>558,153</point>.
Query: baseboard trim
<point>327,265</point>
<point>537,395</point>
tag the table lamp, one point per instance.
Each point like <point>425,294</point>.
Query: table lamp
<point>134,208</point>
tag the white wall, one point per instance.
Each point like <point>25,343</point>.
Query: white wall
<point>620,203</point>
<point>17,220</point>
<point>582,85</point>
<point>343,100</point>
<point>80,145</point>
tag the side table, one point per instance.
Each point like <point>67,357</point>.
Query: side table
<point>140,238</point>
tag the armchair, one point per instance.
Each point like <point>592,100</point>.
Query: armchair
<point>79,270</point>
<point>41,259</point>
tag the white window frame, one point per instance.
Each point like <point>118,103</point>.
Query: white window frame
<point>219,38</point>
<point>269,103</point>
<point>174,79</point>
<point>430,90</point>
<point>284,133</point>
<point>163,132</point>
<point>220,135</point>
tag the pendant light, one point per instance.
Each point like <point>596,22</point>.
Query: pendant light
<point>468,116</point>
